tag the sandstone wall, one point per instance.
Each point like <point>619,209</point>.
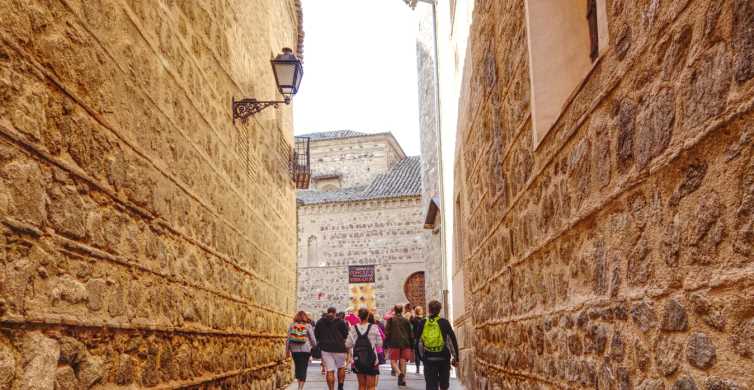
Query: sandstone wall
<point>618,254</point>
<point>388,233</point>
<point>144,240</point>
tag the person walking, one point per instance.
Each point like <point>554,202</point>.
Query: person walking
<point>408,311</point>
<point>331,334</point>
<point>415,321</point>
<point>400,338</point>
<point>386,345</point>
<point>301,340</point>
<point>380,350</point>
<point>363,340</point>
<point>438,348</point>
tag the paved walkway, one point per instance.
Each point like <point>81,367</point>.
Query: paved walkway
<point>316,381</point>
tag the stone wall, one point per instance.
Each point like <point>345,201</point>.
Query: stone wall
<point>429,128</point>
<point>619,253</point>
<point>144,239</point>
<point>357,160</point>
<point>387,233</point>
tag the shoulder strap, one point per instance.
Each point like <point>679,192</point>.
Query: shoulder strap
<point>356,328</point>
<point>309,328</point>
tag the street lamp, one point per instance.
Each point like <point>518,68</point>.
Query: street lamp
<point>288,73</point>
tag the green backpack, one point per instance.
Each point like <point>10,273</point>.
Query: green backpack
<point>432,336</point>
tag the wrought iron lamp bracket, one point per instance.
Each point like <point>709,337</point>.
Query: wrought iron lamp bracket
<point>244,108</point>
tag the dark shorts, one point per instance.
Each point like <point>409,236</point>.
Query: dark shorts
<point>301,363</point>
<point>369,371</point>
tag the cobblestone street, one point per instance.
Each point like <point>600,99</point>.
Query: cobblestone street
<point>316,381</point>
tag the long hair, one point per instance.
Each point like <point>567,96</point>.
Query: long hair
<point>301,317</point>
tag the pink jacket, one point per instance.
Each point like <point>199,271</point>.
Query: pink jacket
<point>382,335</point>
<point>352,319</point>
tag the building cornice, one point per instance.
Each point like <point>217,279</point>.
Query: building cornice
<point>347,203</point>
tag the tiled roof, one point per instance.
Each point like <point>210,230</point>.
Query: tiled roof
<point>323,135</point>
<point>318,197</point>
<point>403,179</point>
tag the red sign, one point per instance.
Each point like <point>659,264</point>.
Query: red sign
<point>361,274</point>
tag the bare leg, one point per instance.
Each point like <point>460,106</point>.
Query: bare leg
<point>371,382</point>
<point>301,385</point>
<point>394,366</point>
<point>403,367</point>
<point>331,380</point>
<point>362,381</point>
<point>341,375</point>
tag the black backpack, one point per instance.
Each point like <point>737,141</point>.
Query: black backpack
<point>363,352</point>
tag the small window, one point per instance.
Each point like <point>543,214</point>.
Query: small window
<point>312,251</point>
<point>565,38</point>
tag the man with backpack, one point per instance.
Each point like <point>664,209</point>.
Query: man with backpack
<point>364,339</point>
<point>331,334</point>
<point>438,347</point>
<point>399,335</point>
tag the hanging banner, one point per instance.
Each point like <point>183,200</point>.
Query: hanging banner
<point>362,295</point>
<point>361,274</point>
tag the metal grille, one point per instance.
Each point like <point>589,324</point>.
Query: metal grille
<point>299,163</point>
<point>591,16</point>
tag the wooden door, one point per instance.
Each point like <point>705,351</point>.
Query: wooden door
<point>414,289</point>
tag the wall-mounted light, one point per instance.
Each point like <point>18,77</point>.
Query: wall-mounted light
<point>288,73</point>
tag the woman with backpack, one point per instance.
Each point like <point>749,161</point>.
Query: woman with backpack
<point>438,347</point>
<point>363,340</point>
<point>301,339</point>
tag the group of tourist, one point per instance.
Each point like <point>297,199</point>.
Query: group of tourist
<point>360,343</point>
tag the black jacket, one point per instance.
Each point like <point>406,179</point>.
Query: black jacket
<point>331,334</point>
<point>451,344</point>
<point>398,333</point>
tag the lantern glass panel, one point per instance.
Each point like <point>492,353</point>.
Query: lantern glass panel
<point>299,76</point>
<point>285,73</point>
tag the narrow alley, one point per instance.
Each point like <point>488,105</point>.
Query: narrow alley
<point>547,194</point>
<point>316,381</point>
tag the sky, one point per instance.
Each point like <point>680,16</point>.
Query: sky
<point>359,69</point>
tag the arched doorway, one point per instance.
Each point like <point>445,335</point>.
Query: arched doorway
<point>414,289</point>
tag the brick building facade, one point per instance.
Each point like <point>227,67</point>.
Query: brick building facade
<point>604,227</point>
<point>145,240</point>
<point>363,208</point>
